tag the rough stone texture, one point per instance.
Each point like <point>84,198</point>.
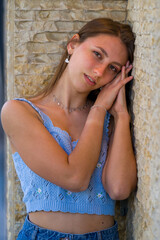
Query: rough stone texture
<point>36,34</point>
<point>144,215</point>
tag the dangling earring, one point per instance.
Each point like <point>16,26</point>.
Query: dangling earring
<point>67,59</point>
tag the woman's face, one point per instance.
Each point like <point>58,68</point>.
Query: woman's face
<point>95,62</point>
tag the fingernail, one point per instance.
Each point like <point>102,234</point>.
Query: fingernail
<point>130,66</point>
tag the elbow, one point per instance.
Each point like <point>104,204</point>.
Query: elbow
<point>120,190</point>
<point>119,193</point>
<point>78,184</point>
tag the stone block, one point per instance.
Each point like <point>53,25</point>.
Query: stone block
<point>38,69</point>
<point>27,5</point>
<point>116,15</point>
<point>20,49</point>
<point>26,85</point>
<point>24,15</point>
<point>72,15</point>
<point>116,6</point>
<point>64,26</point>
<point>20,59</point>
<point>90,5</point>
<point>38,5</point>
<point>48,47</point>
<point>23,36</point>
<point>54,5</point>
<point>28,26</point>
<point>53,15</point>
<point>50,37</point>
<point>47,58</point>
<point>49,26</point>
<point>83,4</point>
<point>78,25</point>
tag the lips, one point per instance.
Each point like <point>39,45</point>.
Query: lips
<point>89,80</point>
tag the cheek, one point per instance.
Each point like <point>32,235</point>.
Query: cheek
<point>89,64</point>
<point>108,77</point>
<point>85,63</point>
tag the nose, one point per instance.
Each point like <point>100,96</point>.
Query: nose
<point>99,70</point>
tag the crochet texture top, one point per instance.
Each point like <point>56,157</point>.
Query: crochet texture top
<point>40,194</point>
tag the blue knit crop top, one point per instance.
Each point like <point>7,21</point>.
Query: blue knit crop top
<point>40,194</point>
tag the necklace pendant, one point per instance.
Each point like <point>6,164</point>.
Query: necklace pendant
<point>60,104</point>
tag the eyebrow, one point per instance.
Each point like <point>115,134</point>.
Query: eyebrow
<point>106,54</point>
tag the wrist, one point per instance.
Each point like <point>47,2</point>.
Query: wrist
<point>97,114</point>
<point>100,107</point>
<point>122,117</point>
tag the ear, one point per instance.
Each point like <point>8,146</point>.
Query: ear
<point>73,43</point>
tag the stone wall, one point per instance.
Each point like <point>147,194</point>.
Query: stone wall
<point>41,31</point>
<point>36,34</point>
<point>144,216</point>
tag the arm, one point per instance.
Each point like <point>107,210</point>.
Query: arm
<point>119,174</point>
<point>40,151</point>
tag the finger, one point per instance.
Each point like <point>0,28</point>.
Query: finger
<point>128,69</point>
<point>117,78</point>
<point>123,74</point>
<point>123,82</point>
<point>122,96</point>
<point>123,92</point>
<point>127,64</point>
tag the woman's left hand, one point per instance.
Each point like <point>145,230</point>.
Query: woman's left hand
<point>120,105</point>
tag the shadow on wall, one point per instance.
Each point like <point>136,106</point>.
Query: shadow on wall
<point>2,155</point>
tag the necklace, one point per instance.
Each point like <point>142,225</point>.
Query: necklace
<point>70,109</point>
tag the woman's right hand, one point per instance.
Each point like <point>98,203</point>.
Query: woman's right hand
<point>109,92</point>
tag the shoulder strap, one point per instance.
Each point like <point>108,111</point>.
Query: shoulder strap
<point>106,122</point>
<point>33,106</point>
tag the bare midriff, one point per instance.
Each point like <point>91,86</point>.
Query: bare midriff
<point>74,223</point>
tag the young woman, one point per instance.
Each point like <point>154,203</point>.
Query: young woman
<point>71,142</point>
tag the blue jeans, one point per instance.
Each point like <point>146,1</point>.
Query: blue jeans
<point>30,231</point>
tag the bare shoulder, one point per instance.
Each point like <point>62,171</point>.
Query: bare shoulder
<point>14,111</point>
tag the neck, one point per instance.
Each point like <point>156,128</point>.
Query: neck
<point>67,97</point>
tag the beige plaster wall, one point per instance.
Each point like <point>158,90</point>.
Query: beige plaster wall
<point>36,33</point>
<point>144,217</point>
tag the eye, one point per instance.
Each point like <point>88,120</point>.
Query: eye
<point>97,54</point>
<point>113,68</point>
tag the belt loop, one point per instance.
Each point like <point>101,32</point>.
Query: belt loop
<point>34,234</point>
<point>99,235</point>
